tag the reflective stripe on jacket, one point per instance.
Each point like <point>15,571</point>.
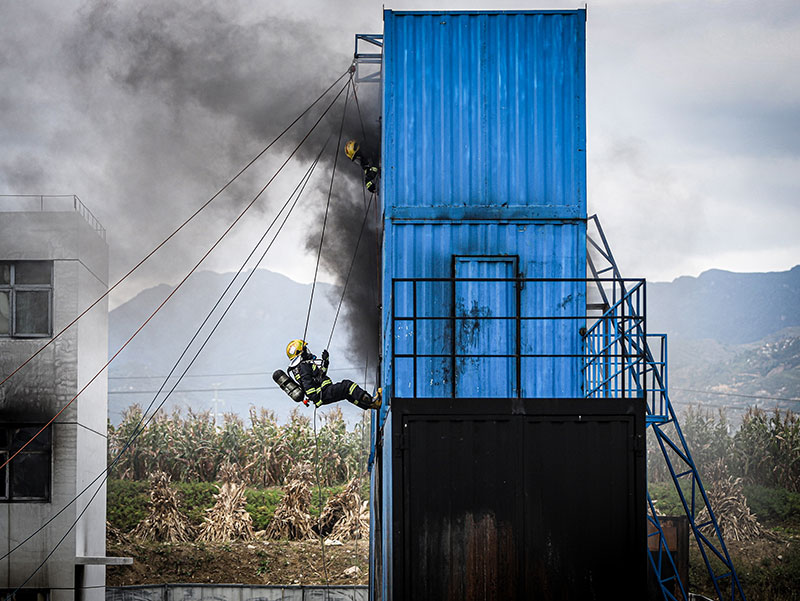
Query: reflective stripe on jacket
<point>311,374</point>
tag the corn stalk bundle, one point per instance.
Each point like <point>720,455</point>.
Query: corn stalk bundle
<point>291,519</point>
<point>353,525</point>
<point>165,523</point>
<point>228,519</point>
<point>114,534</point>
<point>230,472</point>
<point>343,517</point>
<point>730,506</point>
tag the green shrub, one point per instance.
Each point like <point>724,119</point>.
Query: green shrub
<point>774,506</point>
<point>668,500</point>
<point>126,503</point>
<point>261,505</point>
<point>195,498</point>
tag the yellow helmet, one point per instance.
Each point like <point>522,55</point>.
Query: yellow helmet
<point>350,149</point>
<point>295,347</point>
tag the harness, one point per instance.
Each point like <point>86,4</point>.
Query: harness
<point>318,374</point>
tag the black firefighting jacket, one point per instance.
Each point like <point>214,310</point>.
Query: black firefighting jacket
<point>312,375</point>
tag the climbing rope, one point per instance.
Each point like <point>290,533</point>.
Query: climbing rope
<point>338,308</point>
<point>327,207</point>
<point>305,329</point>
<point>185,278</point>
<point>319,502</point>
<point>350,271</point>
<point>142,425</point>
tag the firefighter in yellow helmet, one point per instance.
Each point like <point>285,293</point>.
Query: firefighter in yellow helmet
<point>353,151</point>
<point>312,375</point>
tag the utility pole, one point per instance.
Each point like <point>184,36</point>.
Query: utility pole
<point>216,401</point>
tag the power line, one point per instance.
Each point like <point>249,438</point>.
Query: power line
<point>234,389</point>
<point>186,277</point>
<point>739,395</point>
<point>138,430</point>
<point>703,406</point>
<point>220,375</point>
<point>180,227</point>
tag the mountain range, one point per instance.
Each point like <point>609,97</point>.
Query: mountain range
<point>733,338</point>
<point>734,341</point>
<point>234,370</point>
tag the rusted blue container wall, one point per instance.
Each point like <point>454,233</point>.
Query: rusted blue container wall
<point>544,249</point>
<point>485,110</point>
<point>483,176</point>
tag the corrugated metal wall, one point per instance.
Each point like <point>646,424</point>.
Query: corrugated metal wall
<point>482,154</point>
<point>519,499</point>
<point>545,249</point>
<point>484,109</point>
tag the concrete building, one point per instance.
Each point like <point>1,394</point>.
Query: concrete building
<point>53,265</point>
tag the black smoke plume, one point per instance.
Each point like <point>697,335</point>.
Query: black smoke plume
<point>351,244</point>
<point>194,63</point>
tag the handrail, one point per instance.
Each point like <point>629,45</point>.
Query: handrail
<point>59,203</point>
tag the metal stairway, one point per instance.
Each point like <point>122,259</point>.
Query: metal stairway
<point>620,360</point>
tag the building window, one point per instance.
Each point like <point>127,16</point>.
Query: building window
<point>27,476</point>
<point>26,299</point>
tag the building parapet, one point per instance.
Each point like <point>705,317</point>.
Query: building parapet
<point>52,203</point>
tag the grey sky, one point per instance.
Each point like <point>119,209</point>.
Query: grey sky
<point>144,108</point>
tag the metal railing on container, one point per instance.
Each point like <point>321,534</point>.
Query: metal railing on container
<point>610,336</point>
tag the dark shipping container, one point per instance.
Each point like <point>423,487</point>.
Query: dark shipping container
<point>518,499</point>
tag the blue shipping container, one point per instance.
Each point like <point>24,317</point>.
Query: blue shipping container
<point>485,110</point>
<point>484,198</point>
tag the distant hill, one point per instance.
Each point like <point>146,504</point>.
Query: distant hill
<point>240,357</point>
<point>734,338</point>
<point>731,308</point>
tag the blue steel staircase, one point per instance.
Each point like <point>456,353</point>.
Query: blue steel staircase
<point>619,361</point>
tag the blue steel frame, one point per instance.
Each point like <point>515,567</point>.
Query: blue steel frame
<point>617,361</point>
<point>373,40</point>
<point>678,457</point>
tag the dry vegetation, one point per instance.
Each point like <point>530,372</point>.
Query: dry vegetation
<point>292,519</point>
<point>345,516</point>
<point>733,515</point>
<point>165,523</point>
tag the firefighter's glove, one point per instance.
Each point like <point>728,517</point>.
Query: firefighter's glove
<point>325,355</point>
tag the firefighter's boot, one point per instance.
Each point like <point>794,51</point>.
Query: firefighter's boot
<point>377,399</point>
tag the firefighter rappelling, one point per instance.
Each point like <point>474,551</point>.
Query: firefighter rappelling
<point>371,173</point>
<point>308,380</point>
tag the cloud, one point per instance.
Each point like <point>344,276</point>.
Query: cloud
<point>144,109</point>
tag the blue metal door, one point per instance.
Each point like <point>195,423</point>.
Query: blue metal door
<point>486,327</point>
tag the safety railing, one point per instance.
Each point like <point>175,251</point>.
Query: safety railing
<point>50,203</point>
<point>518,337</point>
<point>664,427</point>
<point>367,57</point>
